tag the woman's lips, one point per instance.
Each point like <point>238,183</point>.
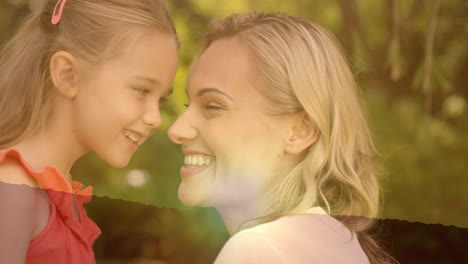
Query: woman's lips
<point>195,162</point>
<point>189,170</point>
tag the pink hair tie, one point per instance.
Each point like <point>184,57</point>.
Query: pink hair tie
<point>57,16</point>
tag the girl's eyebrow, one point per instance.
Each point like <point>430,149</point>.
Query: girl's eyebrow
<point>169,92</point>
<point>153,82</point>
<point>212,90</point>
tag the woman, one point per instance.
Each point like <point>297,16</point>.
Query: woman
<point>78,76</point>
<point>274,137</point>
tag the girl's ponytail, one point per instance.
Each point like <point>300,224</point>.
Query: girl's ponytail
<point>24,99</point>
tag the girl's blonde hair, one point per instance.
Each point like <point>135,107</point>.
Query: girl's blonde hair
<point>90,30</point>
<point>302,68</point>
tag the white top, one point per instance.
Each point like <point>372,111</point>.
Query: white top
<point>312,237</point>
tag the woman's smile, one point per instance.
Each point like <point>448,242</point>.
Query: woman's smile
<point>195,162</point>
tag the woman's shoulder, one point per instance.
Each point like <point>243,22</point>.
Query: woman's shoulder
<point>313,227</point>
<point>250,246</point>
<point>302,238</point>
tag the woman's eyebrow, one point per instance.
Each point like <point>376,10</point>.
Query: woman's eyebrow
<point>212,90</point>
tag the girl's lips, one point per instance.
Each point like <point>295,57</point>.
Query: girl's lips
<point>133,146</point>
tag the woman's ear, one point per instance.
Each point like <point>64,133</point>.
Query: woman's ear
<point>62,71</point>
<point>302,135</point>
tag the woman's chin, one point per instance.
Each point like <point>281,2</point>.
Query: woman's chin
<point>187,199</point>
<point>190,197</point>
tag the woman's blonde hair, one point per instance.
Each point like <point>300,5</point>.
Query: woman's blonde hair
<point>302,68</point>
<point>90,30</point>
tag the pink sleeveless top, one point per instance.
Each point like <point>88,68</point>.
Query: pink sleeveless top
<point>312,237</point>
<point>65,239</point>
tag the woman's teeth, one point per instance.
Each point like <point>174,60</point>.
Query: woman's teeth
<point>197,160</point>
<point>132,136</point>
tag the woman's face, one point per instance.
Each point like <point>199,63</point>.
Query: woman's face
<point>233,147</point>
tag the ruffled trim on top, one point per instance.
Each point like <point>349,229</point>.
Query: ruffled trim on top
<point>50,177</point>
<point>60,195</point>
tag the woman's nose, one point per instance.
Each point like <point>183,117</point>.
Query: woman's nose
<point>182,129</point>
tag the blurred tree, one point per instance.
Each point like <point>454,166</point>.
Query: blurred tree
<point>411,60</point>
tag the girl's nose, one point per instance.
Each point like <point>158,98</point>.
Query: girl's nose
<point>152,117</point>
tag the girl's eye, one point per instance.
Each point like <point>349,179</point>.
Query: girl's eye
<point>142,91</point>
<point>186,105</point>
<point>164,104</point>
<point>163,100</point>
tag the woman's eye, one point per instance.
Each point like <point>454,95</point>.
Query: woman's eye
<point>212,106</point>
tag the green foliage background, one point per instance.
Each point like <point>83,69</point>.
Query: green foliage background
<point>411,60</point>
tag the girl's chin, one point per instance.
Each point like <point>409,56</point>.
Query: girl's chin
<point>117,162</point>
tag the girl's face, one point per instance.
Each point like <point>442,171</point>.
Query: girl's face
<point>233,148</point>
<point>117,106</point>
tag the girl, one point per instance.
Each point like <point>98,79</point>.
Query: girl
<point>79,76</point>
<point>275,138</point>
